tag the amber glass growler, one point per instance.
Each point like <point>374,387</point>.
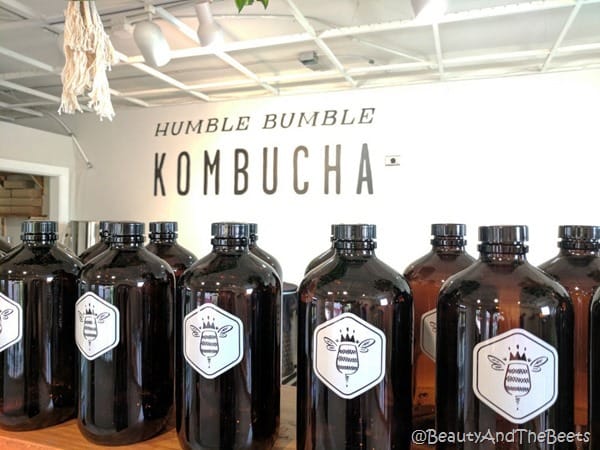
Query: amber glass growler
<point>124,332</point>
<point>594,372</point>
<point>354,350</point>
<point>228,379</point>
<point>163,243</point>
<point>577,268</point>
<point>261,253</point>
<point>38,370</point>
<point>425,277</point>
<point>321,257</point>
<point>100,246</point>
<point>504,354</point>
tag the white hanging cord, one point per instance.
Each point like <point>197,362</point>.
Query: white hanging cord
<point>88,55</point>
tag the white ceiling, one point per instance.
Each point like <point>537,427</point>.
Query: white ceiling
<point>359,43</point>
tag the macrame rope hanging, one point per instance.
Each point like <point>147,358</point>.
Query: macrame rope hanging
<point>88,55</point>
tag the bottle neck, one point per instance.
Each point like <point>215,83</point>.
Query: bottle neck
<point>351,249</point>
<point>448,245</point>
<point>503,253</point>
<point>126,242</point>
<point>163,239</point>
<point>230,245</point>
<point>40,242</point>
<point>579,248</point>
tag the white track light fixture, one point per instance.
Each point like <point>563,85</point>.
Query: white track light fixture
<point>429,9</point>
<point>209,31</point>
<point>152,43</point>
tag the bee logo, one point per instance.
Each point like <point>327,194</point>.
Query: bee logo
<point>4,316</point>
<point>90,322</point>
<point>347,361</point>
<point>517,377</point>
<point>213,340</point>
<point>209,335</point>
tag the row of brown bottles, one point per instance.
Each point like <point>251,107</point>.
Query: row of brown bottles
<point>575,267</point>
<point>124,327</point>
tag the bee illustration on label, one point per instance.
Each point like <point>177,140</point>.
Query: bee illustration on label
<point>4,316</point>
<point>90,323</point>
<point>433,326</point>
<point>209,335</point>
<point>347,360</point>
<point>517,378</point>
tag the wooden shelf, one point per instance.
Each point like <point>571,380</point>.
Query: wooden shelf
<point>66,436</point>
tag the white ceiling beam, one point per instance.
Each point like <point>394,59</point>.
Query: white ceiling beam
<point>31,112</point>
<point>19,8</point>
<point>438,49</point>
<point>26,90</point>
<point>56,71</point>
<point>304,23</point>
<point>563,32</point>
<point>27,60</point>
<point>456,62</point>
<point>163,77</point>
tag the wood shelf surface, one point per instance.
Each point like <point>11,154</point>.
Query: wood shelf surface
<point>66,436</point>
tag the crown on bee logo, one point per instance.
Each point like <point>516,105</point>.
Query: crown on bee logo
<point>208,324</point>
<point>89,309</point>
<point>518,356</point>
<point>347,337</point>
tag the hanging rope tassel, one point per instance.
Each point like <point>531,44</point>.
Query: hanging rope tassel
<point>88,55</point>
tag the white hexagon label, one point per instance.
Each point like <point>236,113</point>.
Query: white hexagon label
<point>213,340</point>
<point>516,375</point>
<point>11,322</point>
<point>428,333</point>
<point>96,326</point>
<point>349,355</point>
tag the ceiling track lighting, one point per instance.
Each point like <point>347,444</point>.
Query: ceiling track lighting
<point>152,43</point>
<point>209,32</point>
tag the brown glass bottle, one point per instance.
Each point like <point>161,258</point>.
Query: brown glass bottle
<point>163,243</point>
<point>5,247</point>
<point>228,389</point>
<point>577,268</point>
<point>261,253</point>
<point>425,277</point>
<point>354,350</point>
<point>124,332</point>
<point>38,357</point>
<point>504,358</point>
<point>594,372</point>
<point>99,247</point>
<point>322,257</point>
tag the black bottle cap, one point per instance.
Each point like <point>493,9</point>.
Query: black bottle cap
<point>579,232</point>
<point>32,228</point>
<point>126,229</point>
<point>354,232</point>
<point>163,227</point>
<point>231,230</point>
<point>448,229</point>
<point>252,228</point>
<point>103,227</point>
<point>504,234</point>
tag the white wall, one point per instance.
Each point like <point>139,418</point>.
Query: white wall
<point>522,150</point>
<point>31,151</point>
